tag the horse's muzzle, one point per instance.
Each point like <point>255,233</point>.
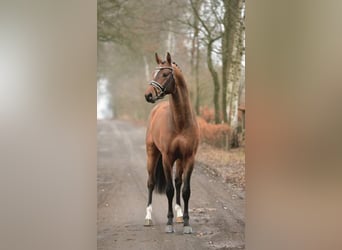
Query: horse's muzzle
<point>149,98</point>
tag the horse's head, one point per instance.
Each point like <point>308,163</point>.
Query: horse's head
<point>163,82</point>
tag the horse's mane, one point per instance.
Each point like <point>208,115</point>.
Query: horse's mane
<point>174,63</point>
<point>177,66</point>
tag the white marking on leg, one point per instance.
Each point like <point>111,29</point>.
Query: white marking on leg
<point>149,212</point>
<point>178,210</point>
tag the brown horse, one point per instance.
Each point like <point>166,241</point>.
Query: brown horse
<point>172,136</point>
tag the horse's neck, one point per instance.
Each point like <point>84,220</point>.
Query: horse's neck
<point>180,106</point>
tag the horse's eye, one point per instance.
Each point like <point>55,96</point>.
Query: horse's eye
<point>165,74</point>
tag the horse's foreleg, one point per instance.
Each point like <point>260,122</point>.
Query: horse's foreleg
<point>151,164</point>
<point>150,186</point>
<point>169,193</point>
<point>186,194</point>
<point>178,184</point>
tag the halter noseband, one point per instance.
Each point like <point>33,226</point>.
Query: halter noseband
<point>157,85</point>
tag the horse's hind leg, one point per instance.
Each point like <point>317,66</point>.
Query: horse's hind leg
<point>189,165</point>
<point>178,184</point>
<point>152,158</point>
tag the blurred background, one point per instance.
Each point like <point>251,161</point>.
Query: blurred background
<point>48,140</point>
<point>206,38</point>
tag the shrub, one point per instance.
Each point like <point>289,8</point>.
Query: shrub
<point>207,114</point>
<point>215,134</point>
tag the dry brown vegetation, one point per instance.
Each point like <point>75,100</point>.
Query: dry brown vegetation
<point>214,134</point>
<point>212,153</point>
<point>207,114</point>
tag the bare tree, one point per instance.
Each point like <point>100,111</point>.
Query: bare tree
<point>211,30</point>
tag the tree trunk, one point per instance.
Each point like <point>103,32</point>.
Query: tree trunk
<point>225,69</point>
<point>147,70</point>
<point>216,82</point>
<point>236,64</point>
<point>197,104</point>
<point>231,17</point>
<point>170,43</point>
<point>225,58</point>
<point>194,59</point>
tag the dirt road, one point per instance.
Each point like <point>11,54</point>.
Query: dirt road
<point>216,211</point>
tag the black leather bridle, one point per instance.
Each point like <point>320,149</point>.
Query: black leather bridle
<point>162,88</point>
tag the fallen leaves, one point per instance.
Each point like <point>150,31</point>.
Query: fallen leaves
<point>228,164</point>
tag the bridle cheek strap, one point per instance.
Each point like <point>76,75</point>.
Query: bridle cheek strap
<point>158,86</point>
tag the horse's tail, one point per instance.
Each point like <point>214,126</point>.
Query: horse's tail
<point>160,181</point>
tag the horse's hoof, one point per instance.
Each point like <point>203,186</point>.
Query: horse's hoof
<point>169,229</point>
<point>148,223</point>
<point>179,219</point>
<point>187,230</point>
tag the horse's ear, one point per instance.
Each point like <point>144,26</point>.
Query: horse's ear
<point>168,58</point>
<point>158,60</point>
